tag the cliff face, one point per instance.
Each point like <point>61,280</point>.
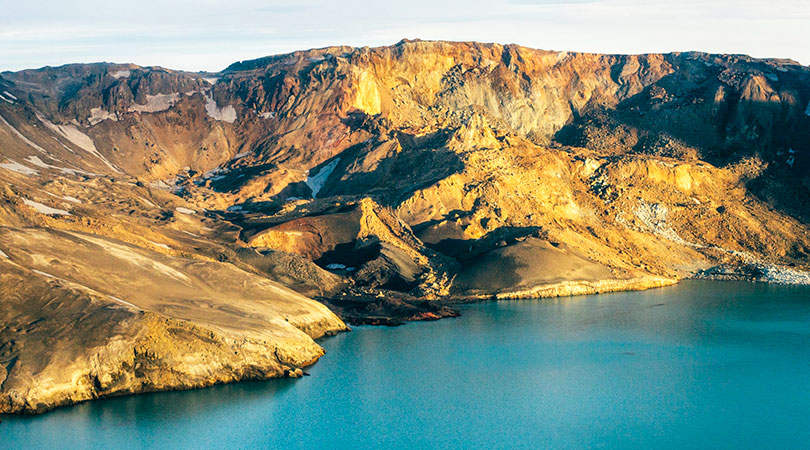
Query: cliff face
<point>179,217</point>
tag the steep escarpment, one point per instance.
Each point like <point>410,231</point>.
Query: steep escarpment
<point>193,212</point>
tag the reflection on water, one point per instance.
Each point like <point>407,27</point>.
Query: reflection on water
<point>699,365</point>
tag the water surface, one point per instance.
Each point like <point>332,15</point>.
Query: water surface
<point>698,365</point>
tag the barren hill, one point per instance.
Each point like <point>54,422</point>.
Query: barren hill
<point>155,222</point>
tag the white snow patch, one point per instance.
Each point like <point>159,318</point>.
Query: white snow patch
<point>3,98</point>
<point>10,95</point>
<point>44,273</point>
<point>335,266</point>
<point>98,115</point>
<point>791,159</point>
<point>224,114</point>
<point>807,110</point>
<point>772,77</point>
<point>180,209</point>
<point>266,115</point>
<point>78,138</point>
<point>14,166</point>
<point>234,208</point>
<point>40,163</point>
<point>20,135</point>
<point>156,103</point>
<point>211,80</point>
<point>121,74</point>
<point>45,209</point>
<point>64,197</point>
<point>158,244</point>
<point>242,155</point>
<point>3,254</point>
<point>316,181</point>
<point>123,302</point>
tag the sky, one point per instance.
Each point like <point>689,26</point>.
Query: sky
<point>211,34</point>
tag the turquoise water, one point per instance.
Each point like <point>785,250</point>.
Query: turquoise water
<point>699,365</point>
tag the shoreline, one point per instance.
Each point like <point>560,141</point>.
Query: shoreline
<point>553,290</point>
<point>571,288</point>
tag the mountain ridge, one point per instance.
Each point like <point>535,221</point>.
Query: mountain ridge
<point>387,183</point>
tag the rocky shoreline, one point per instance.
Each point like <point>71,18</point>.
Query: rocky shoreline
<point>757,272</point>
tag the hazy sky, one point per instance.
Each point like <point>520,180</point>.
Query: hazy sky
<point>209,35</point>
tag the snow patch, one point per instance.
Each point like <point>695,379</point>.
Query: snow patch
<point>98,115</point>
<point>45,209</point>
<point>24,139</point>
<point>125,303</point>
<point>182,210</point>
<point>224,114</point>
<point>121,74</point>
<point>316,181</point>
<point>807,110</point>
<point>156,103</point>
<point>19,168</point>
<point>3,98</point>
<point>335,266</point>
<point>3,254</point>
<point>78,138</point>
<point>211,80</point>
<point>10,95</point>
<point>46,274</point>
<point>267,115</point>
<point>40,163</point>
<point>64,197</point>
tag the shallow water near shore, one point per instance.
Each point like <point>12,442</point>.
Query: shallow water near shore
<point>703,364</point>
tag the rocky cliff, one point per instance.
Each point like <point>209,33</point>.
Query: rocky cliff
<point>163,229</point>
